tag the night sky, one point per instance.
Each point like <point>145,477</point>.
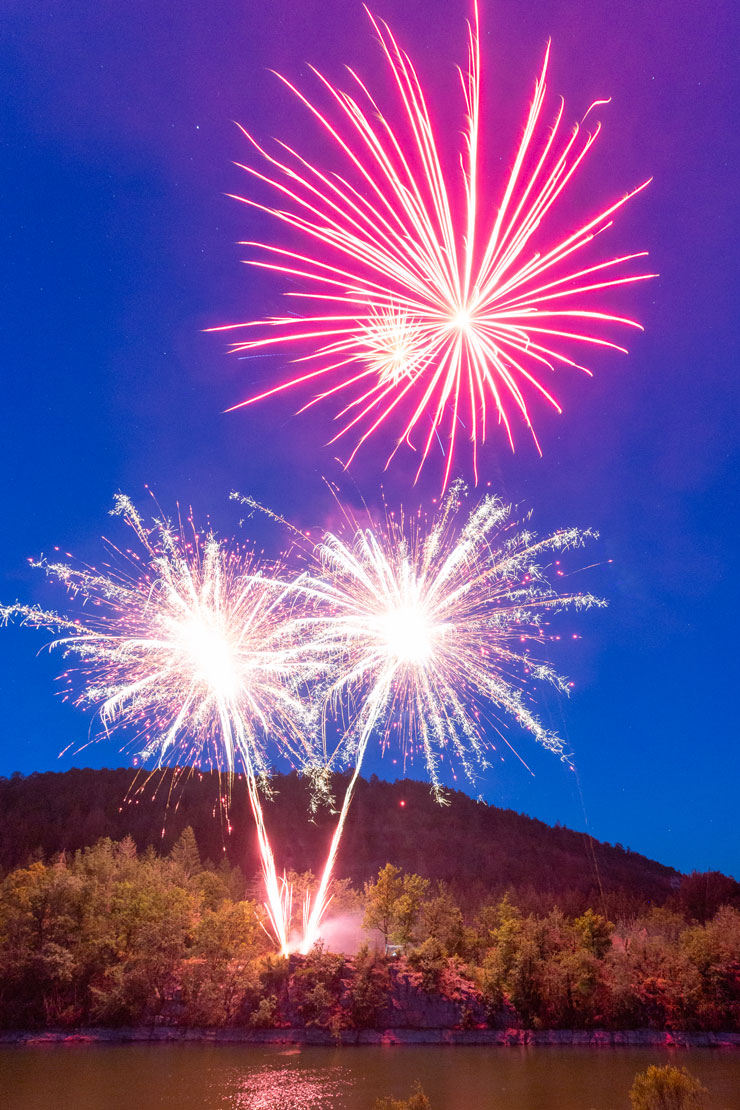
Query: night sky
<point>119,249</point>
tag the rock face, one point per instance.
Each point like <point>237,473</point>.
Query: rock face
<point>454,1005</point>
<point>346,996</point>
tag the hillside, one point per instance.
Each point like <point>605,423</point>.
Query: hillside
<point>477,848</point>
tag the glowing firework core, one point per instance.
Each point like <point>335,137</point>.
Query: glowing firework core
<point>206,642</point>
<point>408,634</point>
<point>462,321</point>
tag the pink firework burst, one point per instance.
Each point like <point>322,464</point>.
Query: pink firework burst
<point>431,308</point>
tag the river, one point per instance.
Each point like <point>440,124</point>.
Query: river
<point>251,1077</point>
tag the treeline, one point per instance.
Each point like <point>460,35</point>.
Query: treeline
<point>479,850</point>
<point>109,936</point>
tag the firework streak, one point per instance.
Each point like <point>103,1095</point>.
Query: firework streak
<point>434,306</point>
<point>195,644</point>
<point>433,626</point>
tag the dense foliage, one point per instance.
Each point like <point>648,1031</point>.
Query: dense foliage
<point>108,935</point>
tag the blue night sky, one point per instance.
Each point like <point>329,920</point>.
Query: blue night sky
<point>119,248</point>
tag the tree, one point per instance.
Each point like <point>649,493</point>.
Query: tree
<point>226,944</point>
<point>185,855</point>
<point>408,908</point>
<point>713,954</point>
<point>152,920</point>
<point>594,932</point>
<point>380,900</point>
<point>503,927</point>
<point>40,913</point>
<point>417,1101</point>
<point>317,986</point>
<point>393,904</point>
<point>368,990</point>
<point>442,920</point>
<point>667,1088</point>
<point>430,960</point>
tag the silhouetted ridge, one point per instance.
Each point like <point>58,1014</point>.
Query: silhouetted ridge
<point>475,847</point>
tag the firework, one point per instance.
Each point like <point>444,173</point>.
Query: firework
<point>190,641</point>
<point>433,307</point>
<point>438,627</point>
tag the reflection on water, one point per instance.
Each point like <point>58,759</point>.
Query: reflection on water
<point>273,1077</point>
<point>286,1087</point>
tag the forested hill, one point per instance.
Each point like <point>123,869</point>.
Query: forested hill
<point>478,849</point>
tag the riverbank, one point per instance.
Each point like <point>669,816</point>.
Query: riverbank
<point>596,1038</point>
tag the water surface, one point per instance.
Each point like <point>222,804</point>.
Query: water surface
<point>252,1077</point>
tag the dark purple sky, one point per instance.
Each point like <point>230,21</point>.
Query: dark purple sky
<point>119,248</point>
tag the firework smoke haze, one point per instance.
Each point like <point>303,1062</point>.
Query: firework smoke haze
<point>433,308</point>
<point>191,642</point>
<point>437,626</point>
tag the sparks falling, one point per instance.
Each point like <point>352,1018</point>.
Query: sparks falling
<point>189,641</point>
<point>438,627</point>
<point>432,308</point>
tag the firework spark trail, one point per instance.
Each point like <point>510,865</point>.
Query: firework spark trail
<point>429,306</point>
<point>194,644</point>
<point>433,626</point>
